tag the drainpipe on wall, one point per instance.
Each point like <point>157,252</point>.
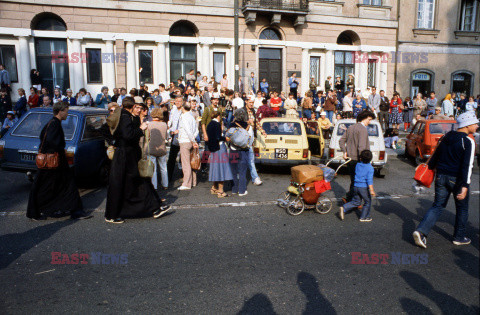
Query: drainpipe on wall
<point>396,47</point>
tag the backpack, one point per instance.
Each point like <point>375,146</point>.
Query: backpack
<point>239,137</point>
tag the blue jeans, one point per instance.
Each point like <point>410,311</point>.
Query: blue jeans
<point>299,114</point>
<point>239,165</point>
<point>444,186</point>
<point>330,115</point>
<point>307,113</point>
<point>251,164</point>
<point>359,194</point>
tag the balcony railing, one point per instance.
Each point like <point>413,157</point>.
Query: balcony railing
<point>280,5</point>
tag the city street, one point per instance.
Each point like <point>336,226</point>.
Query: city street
<point>241,254</point>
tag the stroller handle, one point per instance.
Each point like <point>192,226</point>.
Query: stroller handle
<point>341,165</point>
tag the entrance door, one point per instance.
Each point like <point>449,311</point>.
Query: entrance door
<point>52,63</point>
<point>461,83</point>
<point>270,62</point>
<point>422,83</point>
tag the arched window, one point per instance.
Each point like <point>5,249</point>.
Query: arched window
<point>270,33</point>
<point>48,21</point>
<point>348,38</point>
<point>183,28</point>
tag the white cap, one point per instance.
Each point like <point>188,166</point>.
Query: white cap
<point>467,119</point>
<point>323,114</point>
<point>215,95</point>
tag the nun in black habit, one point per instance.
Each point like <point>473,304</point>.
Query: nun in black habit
<point>54,190</point>
<point>129,195</point>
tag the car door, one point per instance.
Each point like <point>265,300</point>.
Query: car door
<point>420,139</point>
<point>91,151</point>
<point>315,138</point>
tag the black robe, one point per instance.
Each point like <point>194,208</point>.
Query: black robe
<point>54,190</point>
<point>129,195</point>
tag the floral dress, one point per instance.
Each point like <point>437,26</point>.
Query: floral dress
<point>395,112</point>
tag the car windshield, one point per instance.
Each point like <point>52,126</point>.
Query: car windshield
<point>33,124</point>
<point>372,129</point>
<point>282,128</point>
<point>441,128</point>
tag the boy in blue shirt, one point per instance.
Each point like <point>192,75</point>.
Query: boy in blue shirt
<point>363,188</point>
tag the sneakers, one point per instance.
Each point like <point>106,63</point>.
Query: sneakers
<point>115,221</point>
<point>257,181</point>
<point>462,241</point>
<point>365,219</point>
<point>342,214</point>
<point>183,188</point>
<point>420,239</point>
<point>160,212</point>
<point>244,194</point>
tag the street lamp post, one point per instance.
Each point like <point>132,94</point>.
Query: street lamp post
<point>235,43</point>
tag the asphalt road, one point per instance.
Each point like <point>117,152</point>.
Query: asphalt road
<point>241,255</point>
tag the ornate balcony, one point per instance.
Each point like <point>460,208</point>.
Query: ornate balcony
<point>275,8</point>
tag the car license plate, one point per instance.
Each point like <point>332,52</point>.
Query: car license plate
<point>281,154</point>
<point>28,157</point>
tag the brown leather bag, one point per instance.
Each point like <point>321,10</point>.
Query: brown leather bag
<point>46,161</point>
<point>195,160</point>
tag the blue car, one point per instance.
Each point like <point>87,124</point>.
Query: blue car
<point>85,144</point>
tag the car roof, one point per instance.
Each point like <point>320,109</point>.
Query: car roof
<point>354,121</point>
<point>281,119</point>
<point>74,109</point>
<point>439,121</point>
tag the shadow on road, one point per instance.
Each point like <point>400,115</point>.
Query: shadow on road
<point>467,262</point>
<point>446,303</point>
<point>308,284</point>
<point>14,245</point>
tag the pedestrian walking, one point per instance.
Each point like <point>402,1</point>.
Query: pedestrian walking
<point>157,149</point>
<point>352,143</point>
<point>173,125</point>
<point>453,163</point>
<point>219,170</point>
<point>54,189</point>
<point>362,188</point>
<point>128,194</point>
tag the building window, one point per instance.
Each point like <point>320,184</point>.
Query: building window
<point>469,15</point>
<point>315,69</point>
<point>94,65</point>
<point>372,71</point>
<point>8,58</point>
<point>425,14</point>
<point>48,21</point>
<point>373,2</point>
<point>344,64</point>
<point>183,28</point>
<point>218,66</point>
<point>183,58</point>
<point>145,62</point>
<point>270,33</point>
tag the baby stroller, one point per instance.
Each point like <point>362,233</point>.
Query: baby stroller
<point>308,195</point>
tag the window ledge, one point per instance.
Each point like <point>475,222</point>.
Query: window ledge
<point>467,34</point>
<point>326,7</point>
<point>369,11</point>
<point>374,6</point>
<point>424,31</point>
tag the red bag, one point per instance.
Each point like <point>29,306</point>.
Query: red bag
<point>424,176</point>
<point>322,186</point>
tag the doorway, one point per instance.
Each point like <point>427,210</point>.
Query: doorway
<point>462,83</point>
<point>422,82</point>
<point>52,63</point>
<point>270,67</point>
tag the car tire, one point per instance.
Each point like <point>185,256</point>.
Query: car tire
<point>377,173</point>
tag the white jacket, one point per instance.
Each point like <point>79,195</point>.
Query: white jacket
<point>187,128</point>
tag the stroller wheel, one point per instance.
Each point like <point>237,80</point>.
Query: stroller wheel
<point>283,199</point>
<point>296,206</point>
<point>323,205</point>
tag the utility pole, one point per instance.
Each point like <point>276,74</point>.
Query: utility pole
<point>235,43</point>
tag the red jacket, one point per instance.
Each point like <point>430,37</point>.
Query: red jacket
<point>33,100</point>
<point>399,102</point>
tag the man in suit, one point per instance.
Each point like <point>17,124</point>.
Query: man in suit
<point>374,101</point>
<point>207,96</point>
<point>252,83</point>
<point>384,111</point>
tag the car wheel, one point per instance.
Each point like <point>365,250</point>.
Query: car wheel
<point>377,172</point>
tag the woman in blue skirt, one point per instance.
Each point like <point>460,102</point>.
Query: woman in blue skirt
<point>219,161</point>
<point>396,107</point>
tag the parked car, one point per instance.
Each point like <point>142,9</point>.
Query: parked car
<point>289,141</point>
<point>375,136</point>
<point>423,139</point>
<point>85,146</point>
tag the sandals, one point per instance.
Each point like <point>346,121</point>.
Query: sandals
<point>213,191</point>
<point>222,195</point>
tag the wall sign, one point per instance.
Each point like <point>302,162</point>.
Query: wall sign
<point>421,77</point>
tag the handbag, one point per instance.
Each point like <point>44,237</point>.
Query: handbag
<point>195,160</point>
<point>46,161</point>
<point>110,152</point>
<point>145,166</point>
<point>425,176</point>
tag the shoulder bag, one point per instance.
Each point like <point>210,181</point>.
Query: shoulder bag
<point>145,166</point>
<point>425,176</point>
<point>46,161</point>
<point>195,160</point>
